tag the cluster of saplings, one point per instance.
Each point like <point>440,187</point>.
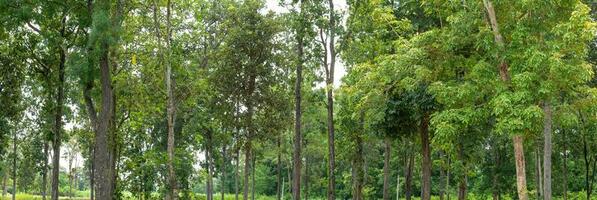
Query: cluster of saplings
<point>298,99</point>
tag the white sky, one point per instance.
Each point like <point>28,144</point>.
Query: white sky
<point>273,5</point>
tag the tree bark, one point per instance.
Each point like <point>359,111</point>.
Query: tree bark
<point>279,183</point>
<point>538,175</point>
<point>4,180</point>
<point>426,164</point>
<point>224,164</point>
<point>442,178</point>
<point>209,182</point>
<point>520,167</point>
<point>330,106</point>
<point>57,139</point>
<point>171,110</point>
<point>306,179</point>
<point>253,178</point>
<point>462,188</point>
<point>44,172</point>
<point>505,77</point>
<point>236,174</point>
<point>248,145</point>
<point>386,168</point>
<point>409,175</point>
<point>14,166</point>
<point>358,169</point>
<point>298,137</point>
<point>547,148</point>
<point>92,176</point>
<point>565,170</point>
<point>496,190</point>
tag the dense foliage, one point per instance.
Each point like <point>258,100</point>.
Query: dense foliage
<point>230,99</point>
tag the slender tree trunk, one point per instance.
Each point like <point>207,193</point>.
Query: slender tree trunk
<point>44,172</point>
<point>92,175</point>
<point>224,164</point>
<point>448,179</point>
<point>505,77</point>
<point>14,166</point>
<point>253,178</point>
<point>279,184</point>
<point>236,174</point>
<point>386,168</point>
<point>547,148</point>
<point>426,164</point>
<point>520,168</point>
<point>442,175</point>
<point>208,187</point>
<point>462,185</point>
<point>358,170</point>
<point>565,163</point>
<point>587,160</point>
<point>397,186</point>
<point>538,175</point>
<point>171,110</point>
<point>298,137</point>
<point>330,106</point>
<point>462,188</point>
<point>56,140</point>
<point>409,175</point>
<point>4,180</point>
<point>248,145</point>
<point>306,179</point>
<point>496,190</point>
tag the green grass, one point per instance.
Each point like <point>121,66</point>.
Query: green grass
<point>22,196</point>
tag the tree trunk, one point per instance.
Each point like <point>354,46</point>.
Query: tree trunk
<point>171,110</point>
<point>279,184</point>
<point>442,175</point>
<point>298,137</point>
<point>409,175</point>
<point>448,179</point>
<point>4,180</point>
<point>253,178</point>
<point>521,181</point>
<point>565,170</point>
<point>236,174</point>
<point>209,181</point>
<point>330,106</point>
<point>44,171</point>
<point>56,140</point>
<point>306,179</point>
<point>587,160</point>
<point>462,188</point>
<point>358,169</point>
<point>397,186</point>
<point>224,164</point>
<point>247,172</point>
<point>496,190</point>
<point>14,166</point>
<point>92,175</point>
<point>538,175</point>
<point>547,151</point>
<point>426,164</point>
<point>386,168</point>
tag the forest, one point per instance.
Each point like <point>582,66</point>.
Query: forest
<point>298,99</point>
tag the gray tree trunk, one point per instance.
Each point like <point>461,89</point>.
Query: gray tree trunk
<point>386,168</point>
<point>14,166</point>
<point>44,172</point>
<point>330,106</point>
<point>57,139</point>
<point>279,184</point>
<point>426,164</point>
<point>547,148</point>
<point>298,137</point>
